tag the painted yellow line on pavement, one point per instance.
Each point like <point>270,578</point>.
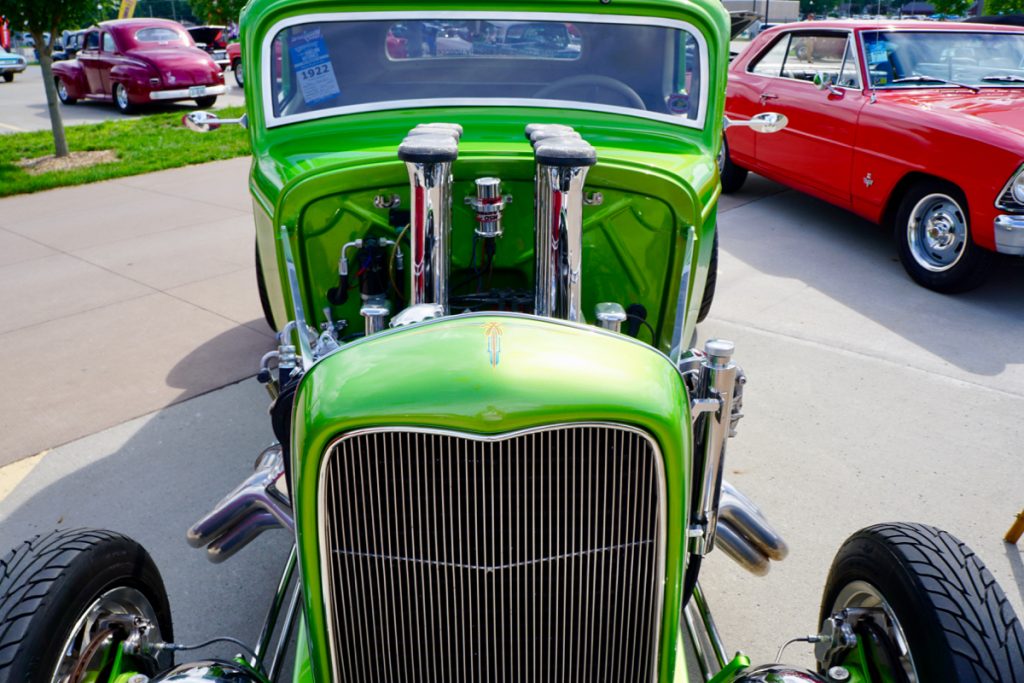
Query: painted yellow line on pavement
<point>13,474</point>
<point>14,128</point>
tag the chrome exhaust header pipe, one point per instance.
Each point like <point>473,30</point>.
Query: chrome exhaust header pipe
<point>745,535</point>
<point>428,152</point>
<point>259,503</point>
<point>563,160</point>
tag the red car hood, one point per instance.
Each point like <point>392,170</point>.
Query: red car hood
<point>999,106</point>
<point>179,65</point>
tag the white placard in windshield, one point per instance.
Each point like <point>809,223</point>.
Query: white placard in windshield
<point>313,68</point>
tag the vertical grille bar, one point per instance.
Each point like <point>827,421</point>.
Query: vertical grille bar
<point>452,557</point>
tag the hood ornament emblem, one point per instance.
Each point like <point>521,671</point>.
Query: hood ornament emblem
<point>493,332</point>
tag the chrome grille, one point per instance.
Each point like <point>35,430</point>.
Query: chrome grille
<point>537,555</point>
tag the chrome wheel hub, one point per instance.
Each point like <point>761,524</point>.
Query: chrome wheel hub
<point>90,642</point>
<point>861,594</point>
<point>937,233</point>
<point>122,96</point>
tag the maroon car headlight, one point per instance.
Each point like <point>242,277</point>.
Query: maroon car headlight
<point>1012,196</point>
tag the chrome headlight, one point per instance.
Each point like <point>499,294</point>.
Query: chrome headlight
<point>1012,196</point>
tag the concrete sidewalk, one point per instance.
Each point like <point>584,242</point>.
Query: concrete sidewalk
<point>122,297</point>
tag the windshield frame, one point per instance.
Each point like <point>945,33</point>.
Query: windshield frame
<point>274,121</point>
<point>899,87</point>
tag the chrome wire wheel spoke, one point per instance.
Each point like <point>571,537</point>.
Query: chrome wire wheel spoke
<point>937,233</point>
<point>122,96</point>
<point>861,594</point>
<point>89,628</point>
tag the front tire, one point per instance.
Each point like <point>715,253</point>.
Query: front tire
<point>124,105</point>
<point>8,77</point>
<point>237,70</point>
<point>57,589</point>
<point>933,238</point>
<point>951,621</point>
<point>206,102</point>
<point>732,176</point>
<point>62,92</point>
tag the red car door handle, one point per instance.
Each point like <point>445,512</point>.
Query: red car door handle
<point>765,96</point>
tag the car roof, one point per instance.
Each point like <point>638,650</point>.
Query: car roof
<point>891,25</point>
<point>129,24</point>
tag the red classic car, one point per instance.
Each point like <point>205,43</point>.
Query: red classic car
<point>138,61</point>
<point>915,125</point>
<point>235,57</point>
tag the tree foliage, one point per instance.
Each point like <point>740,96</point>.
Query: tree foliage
<point>952,7</point>
<point>48,16</point>
<point>1004,6</point>
<point>217,11</point>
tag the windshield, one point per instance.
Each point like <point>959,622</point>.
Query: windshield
<point>651,68</point>
<point>161,36</point>
<point>915,59</point>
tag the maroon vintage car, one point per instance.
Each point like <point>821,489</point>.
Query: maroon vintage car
<point>138,61</point>
<point>915,125</point>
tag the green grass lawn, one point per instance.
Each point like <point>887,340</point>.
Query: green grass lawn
<point>142,144</point>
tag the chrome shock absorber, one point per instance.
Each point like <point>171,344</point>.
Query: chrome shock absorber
<point>428,153</point>
<point>563,160</point>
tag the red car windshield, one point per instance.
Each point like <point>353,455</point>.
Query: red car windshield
<point>922,59</point>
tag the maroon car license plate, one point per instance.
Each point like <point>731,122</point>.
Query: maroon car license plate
<point>197,91</point>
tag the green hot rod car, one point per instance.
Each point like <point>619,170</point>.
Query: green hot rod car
<point>485,235</point>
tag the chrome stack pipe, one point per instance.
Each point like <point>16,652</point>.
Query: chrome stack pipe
<point>563,159</point>
<point>428,152</point>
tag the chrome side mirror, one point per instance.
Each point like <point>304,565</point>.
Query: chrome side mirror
<point>768,122</point>
<point>824,82</point>
<point>204,121</point>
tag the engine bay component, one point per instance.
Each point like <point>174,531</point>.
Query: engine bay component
<point>610,315</point>
<point>562,166</point>
<point>417,313</point>
<point>488,204</point>
<point>428,158</point>
<point>778,673</point>
<point>376,317</point>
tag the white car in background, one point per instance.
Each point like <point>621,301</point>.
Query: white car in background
<point>11,64</point>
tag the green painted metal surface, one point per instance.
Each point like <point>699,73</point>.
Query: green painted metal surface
<point>440,375</point>
<point>660,185</point>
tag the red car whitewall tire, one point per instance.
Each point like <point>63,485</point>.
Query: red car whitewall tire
<point>62,92</point>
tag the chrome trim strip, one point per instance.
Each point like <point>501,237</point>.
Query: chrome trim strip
<point>273,121</point>
<point>182,94</point>
<point>659,573</point>
<point>1009,233</point>
<point>683,305</point>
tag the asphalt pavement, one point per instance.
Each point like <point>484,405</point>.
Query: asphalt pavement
<point>869,399</point>
<point>23,104</point>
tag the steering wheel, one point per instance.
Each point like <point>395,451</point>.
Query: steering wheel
<point>605,82</point>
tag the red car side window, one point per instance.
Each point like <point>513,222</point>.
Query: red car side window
<point>769,62</point>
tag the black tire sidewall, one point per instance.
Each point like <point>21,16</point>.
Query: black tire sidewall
<point>710,284</point>
<point>732,176</point>
<point>865,558</point>
<point>9,78</point>
<point>974,264</point>
<point>112,562</point>
<point>206,102</point>
<point>239,76</point>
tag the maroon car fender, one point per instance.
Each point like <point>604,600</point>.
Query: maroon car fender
<point>136,77</point>
<point>73,76</point>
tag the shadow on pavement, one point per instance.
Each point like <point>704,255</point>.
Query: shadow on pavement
<point>151,478</point>
<point>792,235</point>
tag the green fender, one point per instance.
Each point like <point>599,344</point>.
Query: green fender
<point>490,374</point>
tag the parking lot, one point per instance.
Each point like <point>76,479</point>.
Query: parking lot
<point>132,343</point>
<point>23,104</point>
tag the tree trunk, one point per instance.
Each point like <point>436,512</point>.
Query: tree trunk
<point>60,142</point>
